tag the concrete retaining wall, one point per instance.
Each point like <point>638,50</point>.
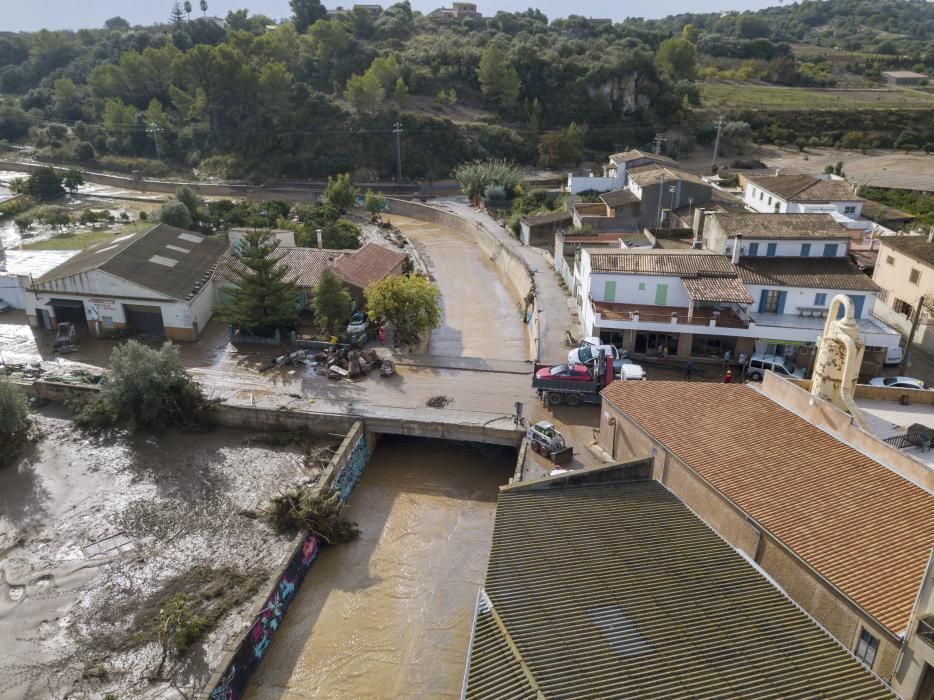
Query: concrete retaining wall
<point>515,271</point>
<point>231,680</point>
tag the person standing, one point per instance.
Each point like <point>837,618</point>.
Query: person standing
<point>689,370</point>
<point>381,332</point>
<point>728,377</point>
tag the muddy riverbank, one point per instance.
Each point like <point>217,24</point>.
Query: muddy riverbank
<point>390,614</point>
<point>96,534</point>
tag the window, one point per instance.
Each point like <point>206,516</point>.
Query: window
<point>753,249</point>
<point>609,291</point>
<point>889,260</point>
<point>805,250</point>
<point>914,276</point>
<point>849,209</point>
<point>770,201</point>
<point>761,194</point>
<point>641,286</point>
<point>830,250</point>
<point>820,299</point>
<point>770,305</point>
<point>866,648</point>
<point>770,249</point>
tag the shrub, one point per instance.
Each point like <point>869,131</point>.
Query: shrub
<point>147,388</point>
<point>320,514</point>
<point>178,627</point>
<point>14,421</point>
<point>175,213</point>
<point>84,151</point>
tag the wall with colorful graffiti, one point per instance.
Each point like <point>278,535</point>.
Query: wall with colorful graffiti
<point>231,682</point>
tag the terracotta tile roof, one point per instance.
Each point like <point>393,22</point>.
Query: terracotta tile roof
<point>617,590</point>
<point>805,188</point>
<point>305,265</point>
<point>822,273</point>
<point>723,289</point>
<point>369,264</point>
<point>688,263</point>
<point>618,198</point>
<point>916,247</point>
<point>652,174</point>
<point>780,226</point>
<point>635,154</point>
<point>861,526</point>
<point>552,218</point>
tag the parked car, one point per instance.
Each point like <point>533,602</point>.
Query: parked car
<point>629,370</point>
<point>760,363</point>
<point>587,354</point>
<point>5,306</point>
<point>563,373</point>
<point>893,355</point>
<point>898,382</point>
<point>358,323</point>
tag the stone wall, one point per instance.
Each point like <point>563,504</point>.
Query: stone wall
<point>515,271</point>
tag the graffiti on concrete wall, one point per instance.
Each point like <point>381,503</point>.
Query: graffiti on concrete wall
<point>256,642</point>
<point>253,646</point>
<point>353,469</point>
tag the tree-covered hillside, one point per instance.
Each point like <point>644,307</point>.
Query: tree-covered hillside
<point>322,93</point>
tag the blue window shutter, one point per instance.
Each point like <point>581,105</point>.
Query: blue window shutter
<point>762,300</point>
<point>753,249</point>
<point>830,250</point>
<point>781,302</point>
<point>770,249</point>
<point>858,306</point>
<point>805,250</point>
<point>820,299</point>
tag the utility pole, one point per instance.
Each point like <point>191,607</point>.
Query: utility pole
<point>154,129</point>
<point>911,336</point>
<point>716,145</point>
<point>397,130</point>
<point>658,140</point>
<point>661,192</point>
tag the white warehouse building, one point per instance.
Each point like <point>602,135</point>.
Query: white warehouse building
<point>157,282</point>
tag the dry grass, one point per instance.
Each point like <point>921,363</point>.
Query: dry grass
<point>734,96</point>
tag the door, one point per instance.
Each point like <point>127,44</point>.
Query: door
<point>609,291</point>
<point>858,302</point>
<point>661,294</point>
<point>147,320</point>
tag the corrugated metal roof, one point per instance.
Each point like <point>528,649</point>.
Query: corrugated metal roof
<point>861,526</point>
<point>617,590</point>
<point>820,273</point>
<point>677,263</point>
<point>780,226</point>
<point>131,258</point>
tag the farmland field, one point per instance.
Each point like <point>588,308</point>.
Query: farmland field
<point>719,95</point>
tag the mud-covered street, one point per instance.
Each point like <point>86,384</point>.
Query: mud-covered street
<point>390,614</point>
<point>94,535</point>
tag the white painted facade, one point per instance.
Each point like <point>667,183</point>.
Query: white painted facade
<point>752,248</point>
<point>808,297</point>
<point>582,183</point>
<point>761,200</point>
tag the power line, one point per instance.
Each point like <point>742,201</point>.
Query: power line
<point>716,146</point>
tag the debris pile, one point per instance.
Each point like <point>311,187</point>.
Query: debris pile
<point>336,362</point>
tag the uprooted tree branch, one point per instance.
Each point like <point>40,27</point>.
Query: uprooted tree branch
<point>321,514</point>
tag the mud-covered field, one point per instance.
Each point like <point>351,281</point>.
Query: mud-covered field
<point>96,535</point>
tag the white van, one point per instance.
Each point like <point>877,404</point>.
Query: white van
<point>588,353</point>
<point>759,364</point>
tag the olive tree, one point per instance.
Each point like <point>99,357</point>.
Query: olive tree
<point>411,304</point>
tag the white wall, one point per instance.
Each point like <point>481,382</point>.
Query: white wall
<point>752,194</point>
<point>791,249</point>
<point>97,283</point>
<point>628,289</point>
<point>804,296</point>
<point>10,290</point>
<point>581,183</point>
<point>764,201</point>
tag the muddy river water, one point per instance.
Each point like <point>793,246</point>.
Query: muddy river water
<point>389,615</point>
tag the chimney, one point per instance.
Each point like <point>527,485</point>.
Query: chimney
<point>320,239</point>
<point>737,242</point>
<point>699,221</point>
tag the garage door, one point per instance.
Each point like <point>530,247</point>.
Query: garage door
<point>146,320</point>
<point>69,310</point>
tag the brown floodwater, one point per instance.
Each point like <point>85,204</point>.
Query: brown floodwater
<point>389,615</point>
<point>481,317</point>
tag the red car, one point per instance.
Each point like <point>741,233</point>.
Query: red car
<point>574,373</point>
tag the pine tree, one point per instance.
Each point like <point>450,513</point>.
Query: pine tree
<point>177,18</point>
<point>264,299</point>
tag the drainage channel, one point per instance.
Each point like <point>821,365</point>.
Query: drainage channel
<point>389,615</point>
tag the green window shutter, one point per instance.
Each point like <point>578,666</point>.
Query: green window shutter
<point>661,294</point>
<point>609,291</point>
